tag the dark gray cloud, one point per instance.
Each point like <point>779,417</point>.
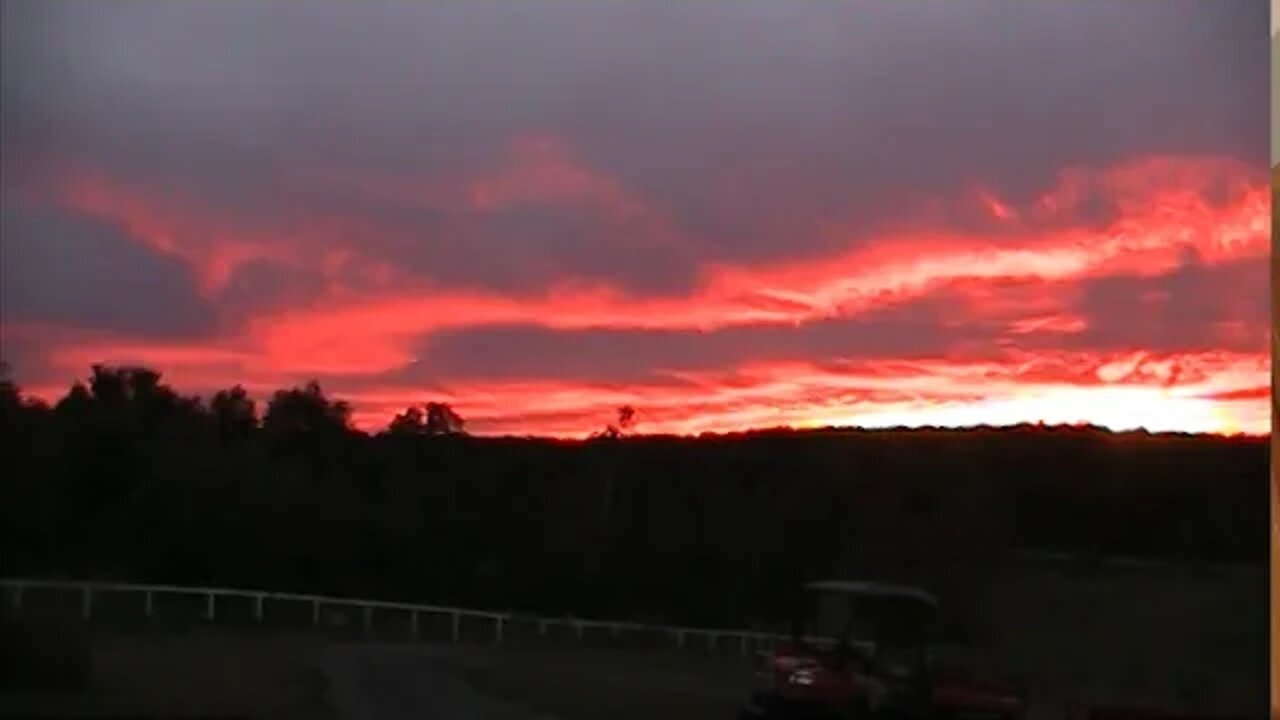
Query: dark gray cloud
<point>260,286</point>
<point>913,330</point>
<point>531,247</point>
<point>79,272</point>
<point>746,123</point>
<point>1194,308</point>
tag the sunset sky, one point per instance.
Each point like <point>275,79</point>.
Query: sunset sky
<point>726,214</point>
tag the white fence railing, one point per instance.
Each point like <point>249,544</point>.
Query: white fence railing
<point>744,641</point>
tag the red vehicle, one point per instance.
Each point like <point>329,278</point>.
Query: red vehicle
<point>865,650</point>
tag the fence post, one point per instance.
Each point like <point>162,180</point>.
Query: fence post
<point>615,629</point>
<point>148,605</point>
<point>257,608</point>
<point>579,628</point>
<point>742,644</point>
<point>368,618</point>
<point>713,642</point>
<point>679,638</point>
<point>457,627</point>
<point>413,623</point>
<point>209,609</point>
<point>497,629</point>
<point>86,605</point>
<point>542,627</point>
<point>315,612</point>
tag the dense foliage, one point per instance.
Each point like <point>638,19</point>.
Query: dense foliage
<point>124,478</point>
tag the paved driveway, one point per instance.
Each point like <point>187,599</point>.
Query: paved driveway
<point>390,682</point>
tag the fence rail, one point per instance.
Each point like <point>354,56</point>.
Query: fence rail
<point>714,639</point>
<point>743,641</point>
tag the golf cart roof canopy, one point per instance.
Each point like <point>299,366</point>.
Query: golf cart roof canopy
<point>873,589</point>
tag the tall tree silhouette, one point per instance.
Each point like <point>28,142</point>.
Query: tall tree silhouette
<point>624,422</point>
<point>234,412</point>
<point>10,396</point>
<point>410,422</point>
<point>305,410</point>
<point>443,420</point>
<point>435,418</point>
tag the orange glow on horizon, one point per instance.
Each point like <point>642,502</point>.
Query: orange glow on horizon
<point>1215,393</point>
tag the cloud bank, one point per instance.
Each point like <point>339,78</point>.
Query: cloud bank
<point>727,215</point>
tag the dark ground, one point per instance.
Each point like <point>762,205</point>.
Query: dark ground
<point>1167,636</point>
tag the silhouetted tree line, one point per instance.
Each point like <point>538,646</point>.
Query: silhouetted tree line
<point>124,478</point>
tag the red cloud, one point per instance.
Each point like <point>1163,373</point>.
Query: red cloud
<point>1151,240</point>
<point>544,170</point>
<point>1056,323</point>
<point>1214,397</point>
<point>1204,392</point>
<point>1164,207</point>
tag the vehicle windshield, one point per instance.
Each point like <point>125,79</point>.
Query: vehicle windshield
<point>862,618</point>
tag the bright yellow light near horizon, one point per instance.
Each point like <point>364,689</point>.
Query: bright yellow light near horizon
<point>1114,408</point>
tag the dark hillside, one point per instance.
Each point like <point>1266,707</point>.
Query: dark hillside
<point>125,479</point>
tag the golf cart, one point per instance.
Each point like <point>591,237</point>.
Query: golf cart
<point>864,650</point>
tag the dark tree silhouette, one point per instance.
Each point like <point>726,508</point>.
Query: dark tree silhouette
<point>11,400</point>
<point>625,422</point>
<point>443,420</point>
<point>304,410</point>
<point>234,412</point>
<point>410,422</point>
<point>76,404</point>
<point>125,478</point>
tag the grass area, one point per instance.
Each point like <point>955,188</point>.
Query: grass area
<point>626,685</point>
<point>43,654</point>
<point>1075,634</point>
<point>1175,637</point>
<point>200,672</point>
